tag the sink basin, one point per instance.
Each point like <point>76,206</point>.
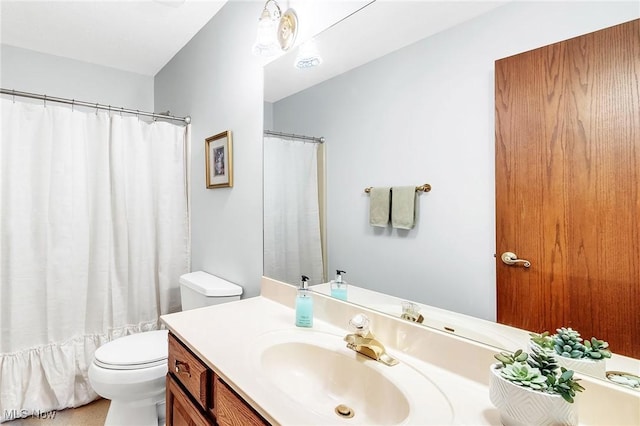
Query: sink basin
<point>318,373</point>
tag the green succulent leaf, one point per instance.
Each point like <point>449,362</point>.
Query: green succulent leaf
<point>566,375</point>
<point>505,360</point>
<point>567,397</point>
<point>576,353</point>
<point>544,340</point>
<point>521,357</point>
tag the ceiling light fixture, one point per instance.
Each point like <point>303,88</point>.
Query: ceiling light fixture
<point>276,31</point>
<point>308,55</point>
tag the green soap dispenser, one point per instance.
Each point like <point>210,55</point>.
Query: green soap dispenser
<point>338,286</point>
<point>304,304</point>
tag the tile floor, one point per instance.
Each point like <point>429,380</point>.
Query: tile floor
<point>92,414</point>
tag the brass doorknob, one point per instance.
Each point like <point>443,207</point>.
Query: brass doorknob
<point>510,258</point>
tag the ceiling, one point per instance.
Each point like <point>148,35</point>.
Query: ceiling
<point>141,36</point>
<point>136,36</point>
<point>374,31</point>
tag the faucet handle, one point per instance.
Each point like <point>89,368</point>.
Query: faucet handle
<point>411,312</point>
<point>359,324</point>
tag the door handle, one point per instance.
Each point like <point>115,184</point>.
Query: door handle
<point>512,259</point>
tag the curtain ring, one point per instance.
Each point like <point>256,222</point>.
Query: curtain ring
<point>121,109</point>
<point>73,104</point>
<point>138,114</point>
<point>96,108</point>
<point>45,101</point>
<point>13,96</point>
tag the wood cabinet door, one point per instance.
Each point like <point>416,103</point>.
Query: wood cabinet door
<point>231,409</point>
<point>568,186</point>
<point>180,410</point>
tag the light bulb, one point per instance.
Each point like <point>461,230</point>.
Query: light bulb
<point>308,56</point>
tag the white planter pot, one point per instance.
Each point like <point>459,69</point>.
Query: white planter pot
<point>519,406</point>
<point>590,367</point>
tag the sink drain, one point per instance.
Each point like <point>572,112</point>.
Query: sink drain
<point>344,411</point>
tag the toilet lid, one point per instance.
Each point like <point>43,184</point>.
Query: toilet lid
<point>210,285</point>
<point>141,350</point>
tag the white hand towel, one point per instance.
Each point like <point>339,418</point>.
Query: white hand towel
<point>403,207</point>
<point>379,203</point>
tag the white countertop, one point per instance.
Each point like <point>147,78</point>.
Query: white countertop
<point>230,339</point>
<point>224,337</point>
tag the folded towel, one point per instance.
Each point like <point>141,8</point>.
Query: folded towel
<point>403,207</point>
<point>379,203</point>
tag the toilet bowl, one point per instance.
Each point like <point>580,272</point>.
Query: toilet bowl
<point>130,371</point>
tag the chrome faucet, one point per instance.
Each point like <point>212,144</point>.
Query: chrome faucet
<point>363,341</point>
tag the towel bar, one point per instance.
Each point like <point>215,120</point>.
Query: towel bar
<point>422,188</point>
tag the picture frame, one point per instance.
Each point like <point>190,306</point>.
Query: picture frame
<point>219,160</point>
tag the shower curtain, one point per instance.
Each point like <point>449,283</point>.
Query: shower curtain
<point>94,228</point>
<point>292,242</point>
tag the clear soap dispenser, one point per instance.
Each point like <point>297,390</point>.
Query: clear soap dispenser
<point>304,304</point>
<point>338,286</point>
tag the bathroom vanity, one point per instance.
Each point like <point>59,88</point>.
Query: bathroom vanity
<point>196,395</point>
<point>245,362</point>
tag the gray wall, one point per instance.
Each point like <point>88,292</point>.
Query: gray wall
<point>29,71</point>
<point>216,79</point>
<point>425,114</point>
<point>445,139</point>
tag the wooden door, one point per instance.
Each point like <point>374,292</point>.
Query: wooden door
<point>568,186</point>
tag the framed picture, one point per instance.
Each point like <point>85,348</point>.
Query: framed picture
<point>219,160</point>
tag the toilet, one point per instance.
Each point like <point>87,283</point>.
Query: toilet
<point>130,371</point>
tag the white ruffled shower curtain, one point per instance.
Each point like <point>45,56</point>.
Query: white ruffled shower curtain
<point>292,241</point>
<point>94,228</point>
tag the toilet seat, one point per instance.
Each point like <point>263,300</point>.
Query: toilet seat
<point>134,352</point>
<point>130,366</point>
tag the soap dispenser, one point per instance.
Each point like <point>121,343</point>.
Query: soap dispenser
<point>338,286</point>
<point>304,304</point>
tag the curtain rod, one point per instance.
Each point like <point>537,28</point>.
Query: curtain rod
<point>291,135</point>
<point>46,98</point>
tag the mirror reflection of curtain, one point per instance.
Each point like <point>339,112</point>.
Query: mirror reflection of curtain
<point>95,234</point>
<point>292,239</point>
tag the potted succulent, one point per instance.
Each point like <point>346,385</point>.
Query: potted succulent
<point>532,389</point>
<point>584,356</point>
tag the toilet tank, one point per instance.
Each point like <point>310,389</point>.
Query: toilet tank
<point>199,289</point>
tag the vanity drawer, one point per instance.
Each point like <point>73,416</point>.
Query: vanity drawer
<point>188,370</point>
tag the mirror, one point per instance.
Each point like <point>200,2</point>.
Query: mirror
<point>420,112</point>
